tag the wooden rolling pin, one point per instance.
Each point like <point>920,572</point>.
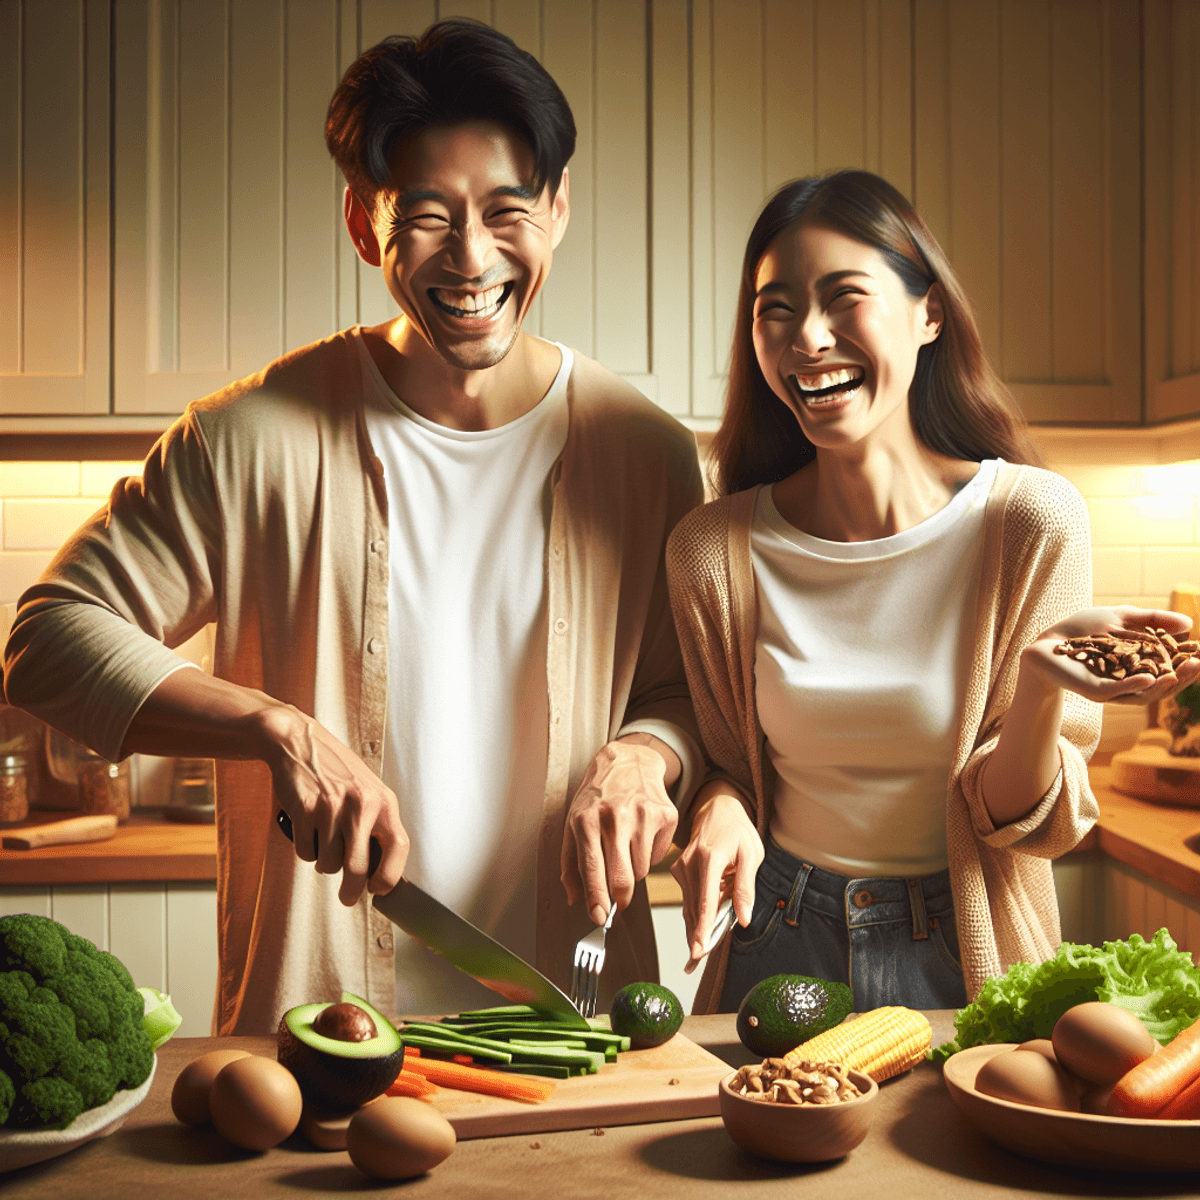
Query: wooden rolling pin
<point>61,833</point>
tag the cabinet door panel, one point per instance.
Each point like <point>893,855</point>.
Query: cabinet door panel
<point>54,207</point>
<point>226,206</point>
<point>1172,161</point>
<point>1024,163</point>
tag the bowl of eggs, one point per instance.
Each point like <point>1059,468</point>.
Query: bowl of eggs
<point>1052,1098</point>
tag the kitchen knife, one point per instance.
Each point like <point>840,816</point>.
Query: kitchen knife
<point>471,950</point>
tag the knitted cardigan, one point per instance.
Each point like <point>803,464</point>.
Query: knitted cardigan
<point>1034,571</point>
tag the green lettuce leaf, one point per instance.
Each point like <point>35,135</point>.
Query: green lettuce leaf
<point>1154,979</point>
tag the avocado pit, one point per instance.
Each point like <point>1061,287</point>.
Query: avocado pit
<point>344,1022</point>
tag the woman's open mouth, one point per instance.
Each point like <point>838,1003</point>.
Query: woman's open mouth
<point>472,306</point>
<point>828,387</point>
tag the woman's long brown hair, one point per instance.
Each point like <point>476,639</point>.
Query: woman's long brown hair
<point>957,403</point>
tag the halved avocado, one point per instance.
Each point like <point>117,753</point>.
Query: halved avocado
<point>333,1074</point>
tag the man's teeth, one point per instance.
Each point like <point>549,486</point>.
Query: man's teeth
<point>827,381</point>
<point>471,304</point>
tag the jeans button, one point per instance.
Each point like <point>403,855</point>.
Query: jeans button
<point>862,898</point>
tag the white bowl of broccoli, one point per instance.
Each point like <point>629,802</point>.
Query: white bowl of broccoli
<point>75,1055</point>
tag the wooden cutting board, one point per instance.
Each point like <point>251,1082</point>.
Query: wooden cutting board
<point>637,1088</point>
<point>1149,772</point>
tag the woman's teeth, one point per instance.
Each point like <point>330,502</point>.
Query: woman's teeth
<point>477,305</point>
<point>828,385</point>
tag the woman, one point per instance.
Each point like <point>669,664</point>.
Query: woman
<point>868,616</point>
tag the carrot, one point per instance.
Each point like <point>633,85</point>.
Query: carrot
<point>1153,1084</point>
<point>1185,1106</point>
<point>409,1083</point>
<point>479,1079</point>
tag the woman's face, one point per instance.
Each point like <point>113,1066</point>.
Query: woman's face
<point>836,333</point>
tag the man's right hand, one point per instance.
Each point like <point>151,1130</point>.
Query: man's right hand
<point>721,858</point>
<point>336,803</point>
<point>322,785</point>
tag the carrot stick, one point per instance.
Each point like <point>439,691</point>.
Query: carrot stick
<point>409,1083</point>
<point>1154,1083</point>
<point>480,1079</point>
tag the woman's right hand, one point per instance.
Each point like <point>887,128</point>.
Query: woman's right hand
<point>724,847</point>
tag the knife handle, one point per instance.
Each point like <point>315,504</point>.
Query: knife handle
<point>285,823</point>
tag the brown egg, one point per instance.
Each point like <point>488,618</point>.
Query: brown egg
<point>189,1096</point>
<point>1099,1042</point>
<point>1040,1046</point>
<point>398,1137</point>
<point>255,1103</point>
<point>1027,1077</point>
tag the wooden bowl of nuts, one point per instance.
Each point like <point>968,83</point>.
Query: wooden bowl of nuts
<point>811,1112</point>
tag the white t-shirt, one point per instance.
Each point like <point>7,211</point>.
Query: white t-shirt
<point>861,662</point>
<point>467,723</point>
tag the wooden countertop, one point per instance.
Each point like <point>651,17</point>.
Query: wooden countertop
<point>919,1146</point>
<point>147,847</point>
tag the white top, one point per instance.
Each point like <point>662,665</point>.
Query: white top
<point>468,709</point>
<point>861,662</point>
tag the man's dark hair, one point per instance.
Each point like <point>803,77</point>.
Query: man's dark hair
<point>458,70</point>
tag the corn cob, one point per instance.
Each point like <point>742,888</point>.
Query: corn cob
<point>882,1043</point>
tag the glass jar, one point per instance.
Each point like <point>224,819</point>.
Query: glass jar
<point>193,783</point>
<point>104,787</point>
<point>14,790</point>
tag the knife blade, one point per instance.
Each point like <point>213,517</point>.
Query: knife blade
<point>721,926</point>
<point>471,950</point>
<point>474,952</point>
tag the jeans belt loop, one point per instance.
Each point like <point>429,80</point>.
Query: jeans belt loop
<point>916,901</point>
<point>791,915</point>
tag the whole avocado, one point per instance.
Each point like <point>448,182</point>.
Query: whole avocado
<point>648,1014</point>
<point>779,1013</point>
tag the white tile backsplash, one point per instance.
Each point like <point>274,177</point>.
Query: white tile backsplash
<point>43,524</point>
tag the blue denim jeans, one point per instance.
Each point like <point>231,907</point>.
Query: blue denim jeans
<point>894,941</point>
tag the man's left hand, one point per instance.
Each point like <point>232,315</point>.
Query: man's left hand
<point>620,822</point>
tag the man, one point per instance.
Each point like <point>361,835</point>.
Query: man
<point>433,553</point>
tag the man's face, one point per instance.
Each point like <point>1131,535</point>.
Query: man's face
<point>463,242</point>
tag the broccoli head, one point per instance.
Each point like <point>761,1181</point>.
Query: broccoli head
<point>71,1029</point>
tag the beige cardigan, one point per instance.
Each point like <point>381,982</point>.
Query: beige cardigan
<point>263,509</point>
<point>1035,570</point>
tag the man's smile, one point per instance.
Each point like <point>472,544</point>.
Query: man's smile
<point>472,305</point>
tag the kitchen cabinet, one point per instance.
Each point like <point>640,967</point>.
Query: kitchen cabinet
<point>1172,197</point>
<point>54,207</point>
<point>1053,146</point>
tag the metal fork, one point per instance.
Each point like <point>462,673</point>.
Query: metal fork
<point>589,962</point>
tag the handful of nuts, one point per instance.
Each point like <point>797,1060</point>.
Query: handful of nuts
<point>1131,652</point>
<point>805,1083</point>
